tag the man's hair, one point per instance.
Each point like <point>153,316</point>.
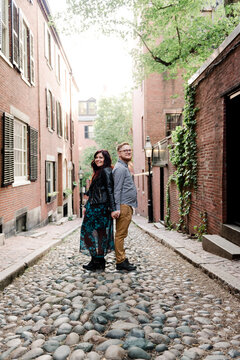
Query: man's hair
<point>121,145</point>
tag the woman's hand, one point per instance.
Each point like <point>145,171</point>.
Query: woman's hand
<point>115,214</point>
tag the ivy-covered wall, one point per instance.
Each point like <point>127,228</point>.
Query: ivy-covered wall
<point>208,171</point>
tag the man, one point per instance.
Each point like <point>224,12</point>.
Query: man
<point>125,195</point>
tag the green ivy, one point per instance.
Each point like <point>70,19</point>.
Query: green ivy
<point>201,229</point>
<point>183,155</point>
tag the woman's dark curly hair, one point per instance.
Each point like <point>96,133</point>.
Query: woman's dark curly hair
<point>107,160</point>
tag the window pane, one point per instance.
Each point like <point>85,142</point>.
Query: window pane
<point>82,108</point>
<point>20,149</point>
<point>172,121</point>
<point>92,108</point>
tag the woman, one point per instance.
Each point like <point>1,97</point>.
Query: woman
<point>97,228</point>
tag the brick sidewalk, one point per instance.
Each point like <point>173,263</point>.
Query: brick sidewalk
<point>21,251</point>
<point>225,271</point>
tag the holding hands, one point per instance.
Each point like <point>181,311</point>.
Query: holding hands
<point>115,214</point>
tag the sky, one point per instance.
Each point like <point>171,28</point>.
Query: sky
<point>101,65</point>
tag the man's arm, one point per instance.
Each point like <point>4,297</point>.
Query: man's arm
<point>118,176</point>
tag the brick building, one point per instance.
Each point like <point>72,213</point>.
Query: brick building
<point>218,99</point>
<point>38,110</point>
<point>87,112</point>
<point>157,110</point>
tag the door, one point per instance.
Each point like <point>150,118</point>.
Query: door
<point>161,193</point>
<point>233,159</point>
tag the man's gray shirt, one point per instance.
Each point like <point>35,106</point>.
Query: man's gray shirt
<point>125,191</point>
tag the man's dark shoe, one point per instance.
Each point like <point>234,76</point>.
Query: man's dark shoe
<point>125,265</point>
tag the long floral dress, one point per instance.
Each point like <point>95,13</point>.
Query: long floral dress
<point>97,237</point>
<point>97,231</point>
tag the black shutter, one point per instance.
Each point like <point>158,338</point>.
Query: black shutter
<point>33,140</point>
<point>55,176</point>
<point>46,183</point>
<point>8,149</point>
<point>47,107</point>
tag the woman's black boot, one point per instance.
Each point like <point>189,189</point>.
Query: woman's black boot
<point>101,263</point>
<point>92,266</point>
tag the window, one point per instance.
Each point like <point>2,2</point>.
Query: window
<point>50,175</point>
<point>50,108</point>
<point>92,108</point>
<point>22,49</point>
<point>172,120</point>
<point>59,118</point>
<point>48,46</point>
<point>87,107</point>
<point>20,151</point>
<point>4,29</point>
<point>17,165</point>
<point>58,67</point>
<point>82,108</point>
<point>66,120</point>
<point>88,132</point>
<point>25,53</point>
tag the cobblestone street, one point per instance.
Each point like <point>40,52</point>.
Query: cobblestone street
<point>167,309</point>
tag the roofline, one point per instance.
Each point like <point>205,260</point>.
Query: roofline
<point>215,54</point>
<point>46,8</point>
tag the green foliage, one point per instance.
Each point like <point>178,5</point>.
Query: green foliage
<point>183,155</point>
<point>201,229</point>
<point>178,34</point>
<point>113,124</point>
<point>85,163</point>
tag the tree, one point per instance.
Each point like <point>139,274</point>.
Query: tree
<point>85,163</point>
<point>175,33</point>
<point>113,123</point>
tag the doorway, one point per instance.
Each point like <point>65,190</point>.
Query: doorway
<point>233,131</point>
<point>161,193</point>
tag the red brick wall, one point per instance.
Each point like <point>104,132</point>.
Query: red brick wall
<point>138,152</point>
<point>14,91</point>
<point>211,124</point>
<point>156,98</point>
<point>31,101</point>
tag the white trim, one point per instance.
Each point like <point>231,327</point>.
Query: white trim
<point>19,114</point>
<point>50,158</point>
<point>215,54</point>
<point>59,150</point>
<point>6,59</point>
<point>144,173</point>
<point>234,95</point>
<point>21,183</point>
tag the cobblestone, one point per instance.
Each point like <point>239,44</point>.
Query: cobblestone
<point>166,309</point>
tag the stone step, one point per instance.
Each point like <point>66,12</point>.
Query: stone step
<point>218,245</point>
<point>231,233</point>
<point>62,221</point>
<point>2,239</point>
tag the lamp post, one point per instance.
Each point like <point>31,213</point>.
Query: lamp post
<point>80,175</point>
<point>148,153</point>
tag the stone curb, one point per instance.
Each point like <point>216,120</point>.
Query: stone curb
<point>224,278</point>
<point>13,271</point>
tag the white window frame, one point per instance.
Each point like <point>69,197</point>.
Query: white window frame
<point>50,176</point>
<point>4,20</point>
<point>20,153</point>
<point>89,131</point>
<point>49,53</point>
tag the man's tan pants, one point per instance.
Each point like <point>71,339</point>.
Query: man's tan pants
<point>122,224</point>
